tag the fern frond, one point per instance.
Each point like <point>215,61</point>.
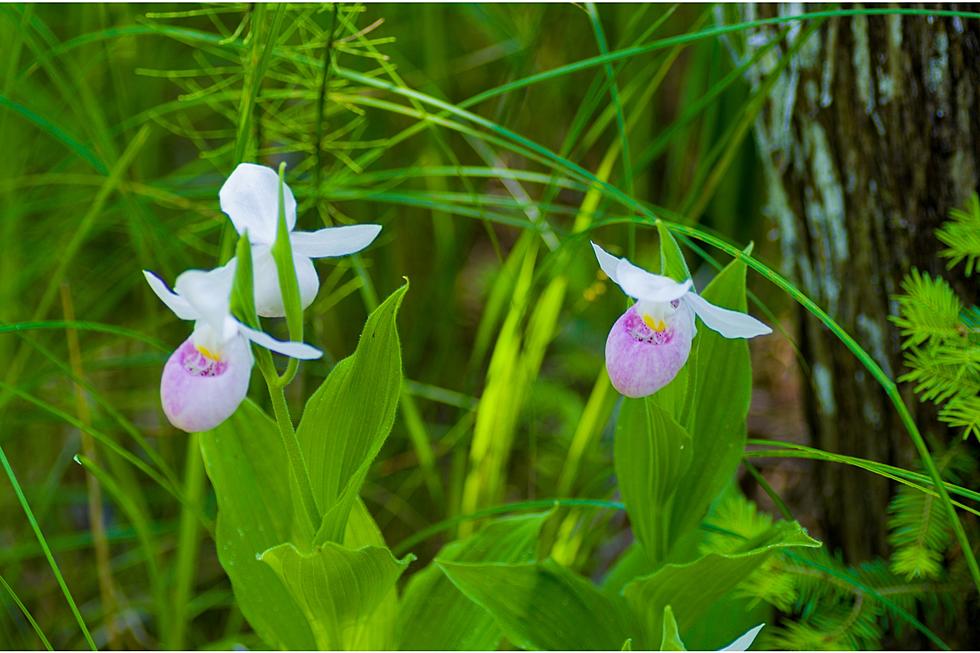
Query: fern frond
<point>919,529</point>
<point>961,235</point>
<point>941,372</point>
<point>928,311</point>
<point>964,413</point>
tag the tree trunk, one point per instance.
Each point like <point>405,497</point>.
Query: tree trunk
<point>868,139</point>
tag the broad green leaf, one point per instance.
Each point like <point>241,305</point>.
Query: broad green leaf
<point>378,633</point>
<point>337,588</point>
<point>722,389</point>
<point>651,452</point>
<point>693,587</point>
<point>246,461</point>
<point>436,616</point>
<point>671,639</point>
<point>348,418</point>
<point>543,605</point>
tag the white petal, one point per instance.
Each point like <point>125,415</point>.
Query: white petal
<point>334,241</point>
<point>745,641</point>
<point>640,284</point>
<point>607,262</point>
<point>180,306</point>
<point>208,293</point>
<point>268,297</point>
<point>731,324</point>
<point>299,350</point>
<point>250,197</point>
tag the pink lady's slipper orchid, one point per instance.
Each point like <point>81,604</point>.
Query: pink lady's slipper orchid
<point>206,379</point>
<point>250,197</point>
<point>651,341</point>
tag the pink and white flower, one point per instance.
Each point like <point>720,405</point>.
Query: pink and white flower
<point>207,377</point>
<point>650,342</point>
<point>250,197</point>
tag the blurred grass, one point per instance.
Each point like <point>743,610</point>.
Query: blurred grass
<point>121,122</point>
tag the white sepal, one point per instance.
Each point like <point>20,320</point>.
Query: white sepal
<point>180,306</point>
<point>299,350</point>
<point>731,324</point>
<point>334,241</point>
<point>607,262</point>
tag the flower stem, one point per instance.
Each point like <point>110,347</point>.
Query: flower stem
<point>289,440</point>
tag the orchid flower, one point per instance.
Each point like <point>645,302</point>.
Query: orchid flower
<point>206,378</point>
<point>650,342</point>
<point>250,197</point>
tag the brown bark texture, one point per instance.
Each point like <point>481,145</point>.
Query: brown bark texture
<point>868,138</point>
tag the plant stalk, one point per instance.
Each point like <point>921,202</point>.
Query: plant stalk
<point>296,461</point>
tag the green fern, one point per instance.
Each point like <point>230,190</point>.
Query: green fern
<point>828,605</point>
<point>963,412</point>
<point>928,311</point>
<point>961,235</point>
<point>941,340</point>
<point>919,529</point>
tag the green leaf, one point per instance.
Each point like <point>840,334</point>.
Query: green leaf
<point>349,417</point>
<point>378,633</point>
<point>243,293</point>
<point>722,389</point>
<point>693,587</point>
<point>672,263</point>
<point>336,587</point>
<point>246,462</point>
<point>671,640</point>
<point>543,605</point>
<point>651,452</point>
<point>436,616</point>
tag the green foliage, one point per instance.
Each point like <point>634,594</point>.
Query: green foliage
<point>435,615</point>
<point>829,605</point>
<point>961,235</point>
<point>543,605</point>
<point>929,311</point>
<point>691,588</point>
<point>652,452</point>
<point>137,115</point>
<point>250,475</point>
<point>920,532</point>
<point>261,519</point>
<point>671,640</point>
<point>338,589</point>
<point>942,350</point>
<point>349,417</point>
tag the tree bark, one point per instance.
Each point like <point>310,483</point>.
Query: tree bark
<point>867,140</point>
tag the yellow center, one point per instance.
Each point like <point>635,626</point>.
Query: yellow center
<point>658,325</point>
<point>208,354</point>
